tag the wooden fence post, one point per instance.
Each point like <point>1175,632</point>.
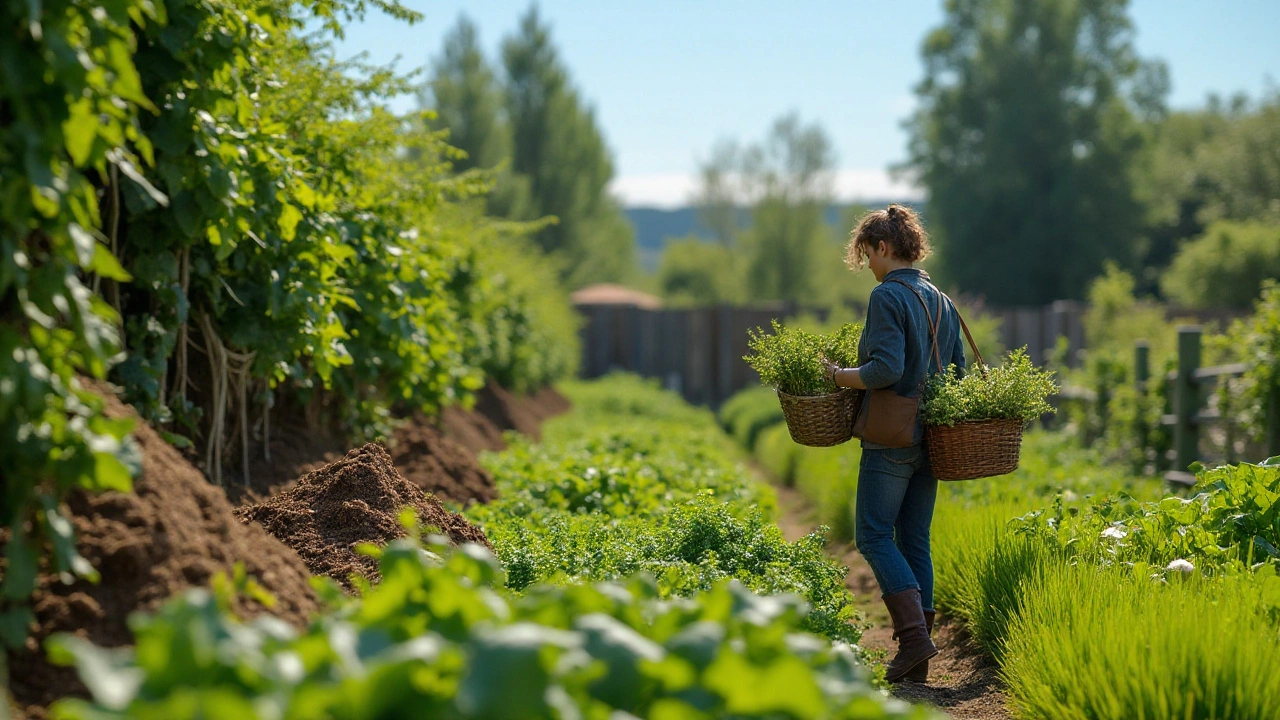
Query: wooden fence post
<point>1186,399</point>
<point>1141,374</point>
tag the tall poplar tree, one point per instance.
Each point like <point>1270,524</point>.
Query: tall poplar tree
<point>558,148</point>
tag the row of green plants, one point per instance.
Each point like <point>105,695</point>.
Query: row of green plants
<point>636,480</point>
<point>200,203</point>
<point>1171,604</point>
<point>459,633</point>
<point>441,636</point>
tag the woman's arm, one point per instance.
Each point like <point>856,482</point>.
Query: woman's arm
<point>850,378</point>
<point>884,349</point>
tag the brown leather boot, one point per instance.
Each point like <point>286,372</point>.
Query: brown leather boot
<point>911,631</point>
<point>920,673</point>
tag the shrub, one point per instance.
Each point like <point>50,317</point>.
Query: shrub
<point>1226,266</point>
<point>749,412</point>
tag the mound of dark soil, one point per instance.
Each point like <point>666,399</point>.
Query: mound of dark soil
<point>173,532</point>
<point>355,500</point>
<point>438,465</point>
<point>497,410</point>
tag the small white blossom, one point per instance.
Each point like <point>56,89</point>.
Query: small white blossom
<point>1182,566</point>
<point>1115,531</point>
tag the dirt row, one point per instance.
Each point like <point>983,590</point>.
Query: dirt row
<point>303,514</point>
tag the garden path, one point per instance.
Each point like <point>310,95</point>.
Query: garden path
<point>963,681</point>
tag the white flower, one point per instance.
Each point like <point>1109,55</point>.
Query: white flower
<point>1115,531</point>
<point>1182,566</point>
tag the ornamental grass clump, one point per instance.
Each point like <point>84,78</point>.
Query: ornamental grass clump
<point>1016,390</point>
<point>790,359</point>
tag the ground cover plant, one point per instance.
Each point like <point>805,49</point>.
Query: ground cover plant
<point>608,494</point>
<point>745,415</point>
<point>440,637</point>
<point>791,358</point>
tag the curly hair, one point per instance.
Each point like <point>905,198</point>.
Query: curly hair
<point>896,225</point>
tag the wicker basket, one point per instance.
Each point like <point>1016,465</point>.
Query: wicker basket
<point>820,420</point>
<point>974,449</point>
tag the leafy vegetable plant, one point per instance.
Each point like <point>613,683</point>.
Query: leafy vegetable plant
<point>438,637</point>
<point>1016,390</point>
<point>791,358</point>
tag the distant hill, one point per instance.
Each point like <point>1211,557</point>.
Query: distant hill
<point>654,226</point>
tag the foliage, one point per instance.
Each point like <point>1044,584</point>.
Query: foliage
<point>1231,523</point>
<point>1255,341</point>
<point>70,99</point>
<point>1022,587</point>
<point>1016,389</point>
<point>748,413</point>
<point>602,500</point>
<point>786,181</point>
<point>692,272</point>
<point>1208,165</point>
<point>1111,643</point>
<point>1027,138</point>
<point>1224,267</point>
<point>791,358</point>
<point>268,230</point>
<point>559,151</point>
<point>438,637</point>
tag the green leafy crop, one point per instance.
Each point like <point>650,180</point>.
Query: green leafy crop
<point>636,480</point>
<point>1015,390</point>
<point>791,358</point>
<point>438,637</point>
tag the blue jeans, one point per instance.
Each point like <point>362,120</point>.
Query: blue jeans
<point>896,492</point>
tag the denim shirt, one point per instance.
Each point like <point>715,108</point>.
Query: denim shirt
<point>895,351</point>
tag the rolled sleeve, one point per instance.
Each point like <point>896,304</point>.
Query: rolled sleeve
<point>884,351</point>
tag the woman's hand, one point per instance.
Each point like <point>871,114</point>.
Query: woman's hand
<point>831,369</point>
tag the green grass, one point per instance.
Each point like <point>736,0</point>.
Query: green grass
<point>1102,643</point>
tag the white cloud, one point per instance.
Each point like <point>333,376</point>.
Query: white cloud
<point>671,190</point>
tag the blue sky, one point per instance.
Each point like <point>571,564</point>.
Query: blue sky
<point>670,77</point>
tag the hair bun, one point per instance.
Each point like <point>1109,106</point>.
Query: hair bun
<point>894,212</point>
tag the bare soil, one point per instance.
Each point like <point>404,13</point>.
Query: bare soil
<point>358,499</point>
<point>175,531</point>
<point>963,681</point>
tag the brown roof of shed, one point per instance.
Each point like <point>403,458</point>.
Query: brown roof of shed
<point>611,294</point>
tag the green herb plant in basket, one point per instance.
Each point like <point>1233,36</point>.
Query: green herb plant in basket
<point>974,422</point>
<point>790,360</point>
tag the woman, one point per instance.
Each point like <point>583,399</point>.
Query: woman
<point>896,489</point>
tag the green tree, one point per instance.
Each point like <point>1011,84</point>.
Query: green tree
<point>469,102</point>
<point>559,148</point>
<point>1027,138</point>
<point>789,175</point>
<point>1225,267</point>
<point>695,272</point>
<point>1217,163</point>
<point>786,180</point>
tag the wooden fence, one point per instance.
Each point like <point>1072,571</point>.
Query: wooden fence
<point>696,352</point>
<point>1189,410</point>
